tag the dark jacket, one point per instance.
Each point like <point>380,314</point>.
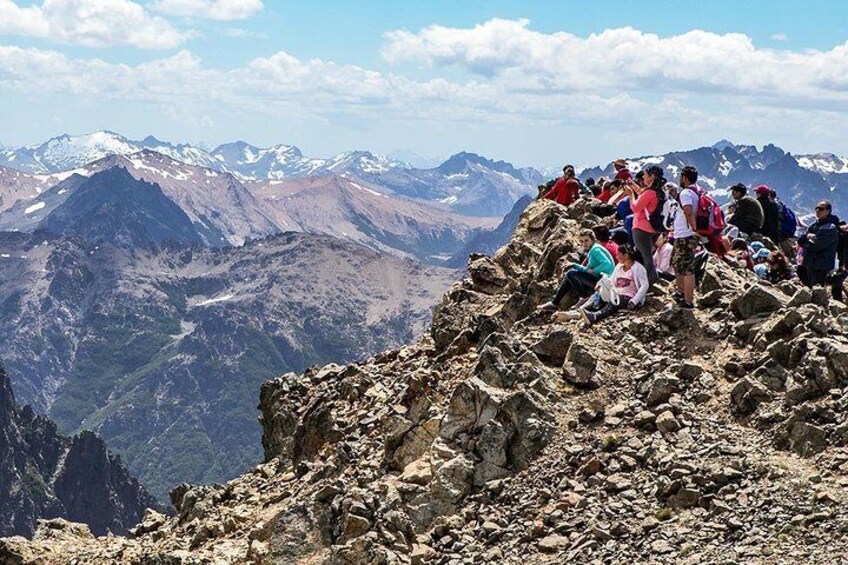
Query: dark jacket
<point>748,216</point>
<point>820,251</point>
<point>771,218</point>
<point>842,250</point>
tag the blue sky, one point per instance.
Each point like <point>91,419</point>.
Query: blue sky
<point>532,82</point>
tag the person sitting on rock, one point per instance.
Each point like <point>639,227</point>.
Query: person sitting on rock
<point>779,269</point>
<point>581,279</point>
<point>662,257</point>
<point>629,286</point>
<point>740,254</point>
<point>603,236</point>
<point>747,214</point>
<point>566,190</point>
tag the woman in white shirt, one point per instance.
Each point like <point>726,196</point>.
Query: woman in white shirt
<point>630,283</point>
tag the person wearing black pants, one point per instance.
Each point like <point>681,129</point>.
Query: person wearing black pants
<point>581,279</point>
<point>820,244</point>
<point>646,200</point>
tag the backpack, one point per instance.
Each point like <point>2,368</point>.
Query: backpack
<point>657,217</point>
<point>709,216</point>
<point>788,220</point>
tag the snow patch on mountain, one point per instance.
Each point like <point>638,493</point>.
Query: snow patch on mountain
<point>34,208</point>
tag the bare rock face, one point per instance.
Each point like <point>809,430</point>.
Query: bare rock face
<point>655,436</point>
<point>47,475</point>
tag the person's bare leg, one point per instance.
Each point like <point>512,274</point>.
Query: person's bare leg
<point>678,281</point>
<point>689,288</point>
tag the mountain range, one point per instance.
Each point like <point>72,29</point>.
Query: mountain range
<point>46,475</point>
<point>161,350</point>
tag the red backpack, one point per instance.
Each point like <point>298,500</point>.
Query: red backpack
<point>709,217</point>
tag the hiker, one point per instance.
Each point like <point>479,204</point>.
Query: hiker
<point>629,287</point>
<point>740,254</point>
<point>788,226</point>
<point>581,279</point>
<point>747,212</point>
<point>771,213</point>
<point>606,192</point>
<point>622,173</point>
<point>566,189</point>
<point>686,240</point>
<point>662,257</point>
<point>778,268</point>
<point>646,204</point>
<point>820,245</point>
<point>603,235</point>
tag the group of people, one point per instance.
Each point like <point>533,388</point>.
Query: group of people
<point>654,229</point>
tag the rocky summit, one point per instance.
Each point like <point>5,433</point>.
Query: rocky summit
<point>658,436</point>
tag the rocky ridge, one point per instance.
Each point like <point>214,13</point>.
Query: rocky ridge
<point>658,436</point>
<point>44,474</point>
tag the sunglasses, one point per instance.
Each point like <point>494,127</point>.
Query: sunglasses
<point>820,208</point>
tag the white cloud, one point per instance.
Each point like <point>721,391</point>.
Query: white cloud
<point>219,10</point>
<point>697,62</point>
<point>623,85</point>
<point>91,23</point>
<point>779,37</point>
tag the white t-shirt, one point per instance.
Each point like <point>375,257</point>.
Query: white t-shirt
<point>688,197</point>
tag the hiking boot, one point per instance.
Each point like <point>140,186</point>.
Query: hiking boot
<point>547,307</point>
<point>686,305</point>
<point>588,317</point>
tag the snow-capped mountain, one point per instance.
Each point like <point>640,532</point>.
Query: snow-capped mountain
<point>253,163</point>
<point>465,183</point>
<point>67,152</point>
<point>363,164</point>
<point>221,209</point>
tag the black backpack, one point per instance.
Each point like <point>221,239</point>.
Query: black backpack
<point>657,218</point>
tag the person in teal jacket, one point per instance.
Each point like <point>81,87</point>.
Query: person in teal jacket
<point>580,279</point>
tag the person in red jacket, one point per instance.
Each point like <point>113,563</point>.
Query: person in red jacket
<point>621,170</point>
<point>566,190</point>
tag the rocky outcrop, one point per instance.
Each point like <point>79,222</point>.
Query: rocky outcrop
<point>656,436</point>
<point>45,475</point>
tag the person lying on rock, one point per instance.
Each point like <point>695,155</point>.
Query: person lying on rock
<point>580,279</point>
<point>629,288</point>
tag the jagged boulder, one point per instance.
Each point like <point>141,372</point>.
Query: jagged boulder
<point>580,366</point>
<point>757,300</point>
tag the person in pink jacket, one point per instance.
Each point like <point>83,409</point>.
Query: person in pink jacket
<point>645,202</point>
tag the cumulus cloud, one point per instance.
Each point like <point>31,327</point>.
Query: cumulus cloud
<point>219,10</point>
<point>91,23</point>
<point>697,62</point>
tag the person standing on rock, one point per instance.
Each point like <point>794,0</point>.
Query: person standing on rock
<point>566,190</point>
<point>646,202</point>
<point>686,239</point>
<point>581,279</point>
<point>820,245</point>
<point>771,213</point>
